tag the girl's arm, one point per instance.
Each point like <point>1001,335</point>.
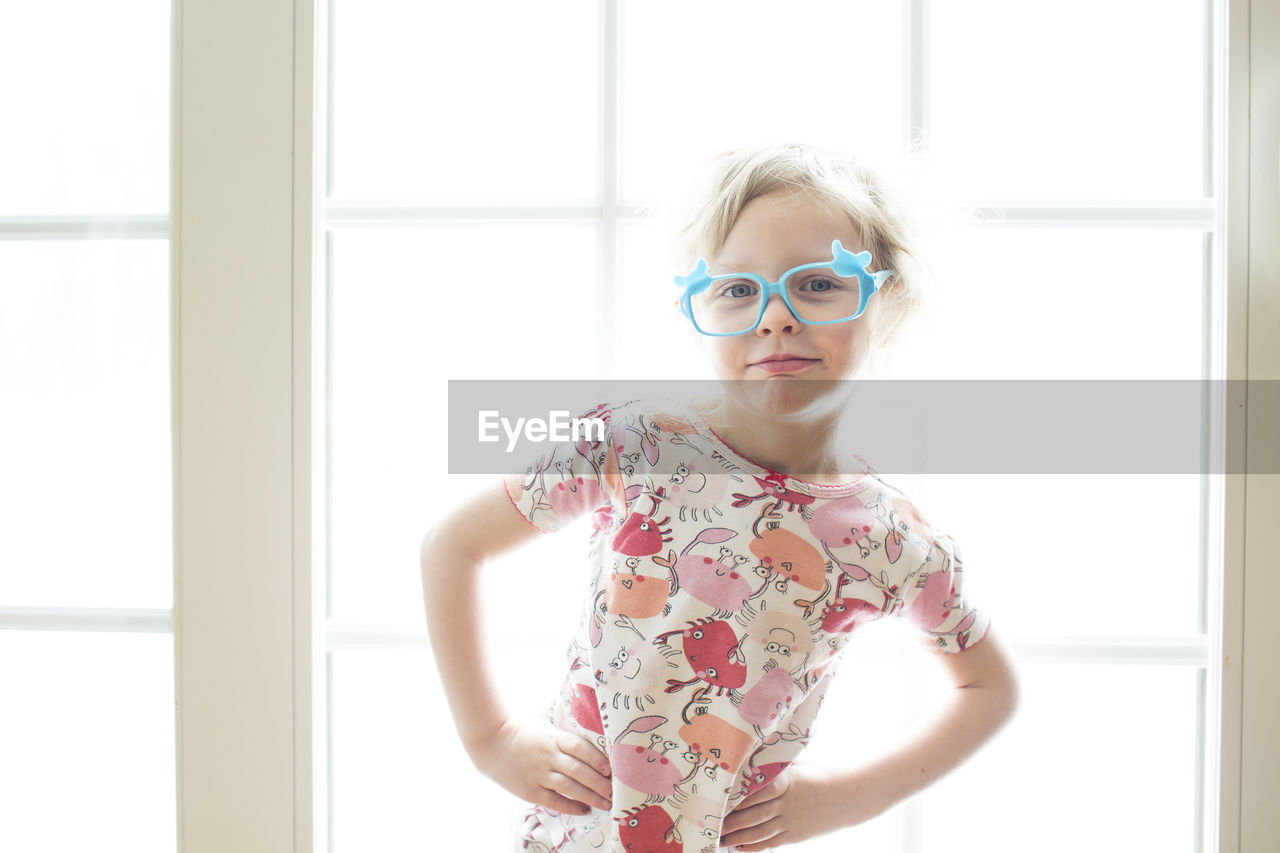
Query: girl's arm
<point>803,801</point>
<point>986,696</point>
<point>539,764</point>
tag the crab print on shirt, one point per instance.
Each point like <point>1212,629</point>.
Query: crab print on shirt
<point>722,595</point>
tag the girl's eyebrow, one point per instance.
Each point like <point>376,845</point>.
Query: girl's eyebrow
<point>733,266</point>
<point>719,267</point>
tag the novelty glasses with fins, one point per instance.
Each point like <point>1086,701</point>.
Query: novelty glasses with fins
<point>818,294</point>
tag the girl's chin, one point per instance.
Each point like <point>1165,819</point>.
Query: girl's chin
<point>789,398</point>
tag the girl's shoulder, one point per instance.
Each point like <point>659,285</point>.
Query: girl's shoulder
<point>662,414</point>
<point>903,512</point>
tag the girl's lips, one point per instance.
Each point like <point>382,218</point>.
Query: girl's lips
<point>786,366</point>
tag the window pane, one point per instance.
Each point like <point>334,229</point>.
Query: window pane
<point>467,101</point>
<point>86,107</point>
<point>700,76</point>
<point>412,309</point>
<point>402,782</point>
<point>1075,556</point>
<point>85,447</point>
<point>1051,303</point>
<point>1086,100</point>
<point>873,703</point>
<point>644,299</point>
<point>87,735</point>
<point>1099,758</point>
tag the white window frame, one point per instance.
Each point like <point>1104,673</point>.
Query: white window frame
<point>242,271</point>
<point>1222,771</point>
<point>248,621</point>
<point>1240,817</point>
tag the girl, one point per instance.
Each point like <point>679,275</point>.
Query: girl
<point>732,553</point>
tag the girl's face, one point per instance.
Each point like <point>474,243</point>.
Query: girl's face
<point>772,234</point>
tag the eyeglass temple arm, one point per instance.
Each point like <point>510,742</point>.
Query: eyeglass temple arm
<point>843,262</point>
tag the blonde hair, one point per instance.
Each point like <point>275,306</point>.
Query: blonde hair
<point>848,185</point>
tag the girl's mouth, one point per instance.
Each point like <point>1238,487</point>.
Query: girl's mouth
<point>789,365</point>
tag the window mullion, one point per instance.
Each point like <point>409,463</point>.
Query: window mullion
<point>915,78</point>
<point>85,227</point>
<point>609,156</point>
<point>1194,213</point>
<point>142,620</point>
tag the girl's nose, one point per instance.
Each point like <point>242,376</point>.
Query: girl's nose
<point>777,316</point>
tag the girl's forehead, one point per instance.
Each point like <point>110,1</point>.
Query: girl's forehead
<point>784,230</point>
<point>782,253</point>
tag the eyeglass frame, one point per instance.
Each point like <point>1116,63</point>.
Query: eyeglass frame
<point>843,263</point>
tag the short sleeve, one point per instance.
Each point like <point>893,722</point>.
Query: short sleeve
<point>573,478</point>
<point>935,600</point>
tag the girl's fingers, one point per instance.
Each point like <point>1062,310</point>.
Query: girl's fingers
<point>575,790</point>
<point>554,800</point>
<point>750,834</point>
<point>764,846</point>
<point>764,795</point>
<point>584,751</point>
<point>581,761</point>
<point>739,818</point>
<point>583,774</point>
<point>756,814</point>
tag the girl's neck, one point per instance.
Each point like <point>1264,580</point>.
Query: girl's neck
<point>805,449</point>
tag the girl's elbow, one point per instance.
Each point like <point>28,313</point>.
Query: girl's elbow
<point>426,547</point>
<point>1012,690</point>
<point>429,558</point>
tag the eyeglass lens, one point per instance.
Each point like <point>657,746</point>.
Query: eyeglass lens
<point>818,295</point>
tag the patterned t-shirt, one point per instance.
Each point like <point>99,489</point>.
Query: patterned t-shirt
<point>722,594</point>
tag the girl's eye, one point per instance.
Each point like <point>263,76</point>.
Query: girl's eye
<point>738,289</point>
<point>823,285</point>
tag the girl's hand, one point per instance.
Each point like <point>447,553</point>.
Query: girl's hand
<point>801,802</point>
<point>545,765</point>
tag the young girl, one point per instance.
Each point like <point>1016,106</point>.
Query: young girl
<point>736,546</point>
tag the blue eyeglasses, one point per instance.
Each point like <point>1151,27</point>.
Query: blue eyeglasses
<point>816,294</point>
